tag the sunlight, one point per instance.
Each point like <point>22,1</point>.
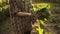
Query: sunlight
<point>0,1</point>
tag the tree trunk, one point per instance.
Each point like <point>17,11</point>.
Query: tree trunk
<point>20,24</point>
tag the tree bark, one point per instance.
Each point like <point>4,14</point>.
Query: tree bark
<point>20,24</point>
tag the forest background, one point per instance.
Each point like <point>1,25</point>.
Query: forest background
<point>5,23</point>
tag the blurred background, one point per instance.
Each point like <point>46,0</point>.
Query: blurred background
<point>5,23</point>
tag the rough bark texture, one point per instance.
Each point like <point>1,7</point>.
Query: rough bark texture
<point>20,24</point>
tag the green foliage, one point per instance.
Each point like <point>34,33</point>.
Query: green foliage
<point>45,13</point>
<point>4,15</point>
<point>4,10</point>
<point>39,6</point>
<point>43,8</point>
